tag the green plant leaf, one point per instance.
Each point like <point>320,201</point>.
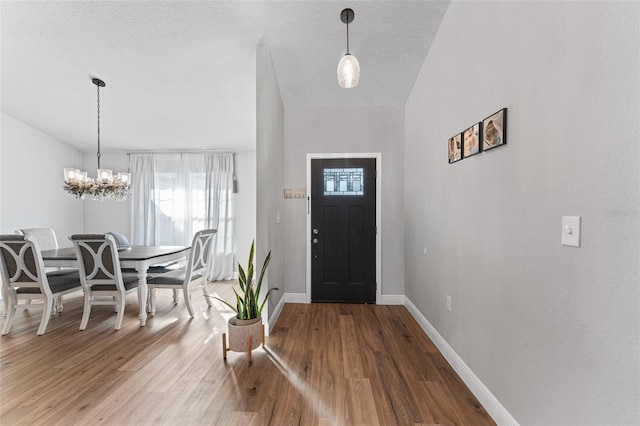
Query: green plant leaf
<point>266,297</point>
<point>233,308</point>
<point>248,304</point>
<point>262,272</point>
<point>242,278</point>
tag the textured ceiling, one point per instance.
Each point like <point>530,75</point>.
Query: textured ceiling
<point>181,75</point>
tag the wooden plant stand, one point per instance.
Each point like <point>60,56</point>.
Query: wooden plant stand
<point>242,338</point>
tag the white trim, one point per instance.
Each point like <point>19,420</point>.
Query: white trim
<point>295,298</point>
<point>276,313</point>
<point>391,299</point>
<point>378,157</point>
<point>495,409</point>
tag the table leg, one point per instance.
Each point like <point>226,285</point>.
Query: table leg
<point>142,295</point>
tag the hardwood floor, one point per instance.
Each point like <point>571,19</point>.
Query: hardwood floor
<point>324,364</point>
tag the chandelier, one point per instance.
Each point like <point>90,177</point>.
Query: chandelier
<point>105,185</point>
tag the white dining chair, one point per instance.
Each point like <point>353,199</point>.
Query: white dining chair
<point>24,277</point>
<point>190,278</point>
<point>46,238</point>
<point>101,276</point>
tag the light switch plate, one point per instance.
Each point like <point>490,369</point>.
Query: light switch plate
<point>571,231</point>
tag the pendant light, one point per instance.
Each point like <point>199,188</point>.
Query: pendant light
<point>105,185</point>
<point>348,67</point>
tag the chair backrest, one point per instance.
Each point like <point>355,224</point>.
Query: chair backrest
<point>98,259</point>
<point>121,241</point>
<point>46,237</point>
<point>200,251</point>
<point>21,262</point>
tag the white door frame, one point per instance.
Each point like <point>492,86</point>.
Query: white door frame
<point>378,157</point>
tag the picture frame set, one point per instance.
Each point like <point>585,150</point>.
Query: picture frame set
<point>483,136</point>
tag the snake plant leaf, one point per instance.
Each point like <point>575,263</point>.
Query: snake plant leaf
<point>233,308</point>
<point>242,277</point>
<point>266,297</point>
<point>262,272</point>
<point>248,304</point>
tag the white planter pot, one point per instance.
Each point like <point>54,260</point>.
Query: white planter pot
<point>243,337</point>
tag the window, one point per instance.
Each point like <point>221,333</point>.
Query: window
<point>345,181</point>
<point>176,195</point>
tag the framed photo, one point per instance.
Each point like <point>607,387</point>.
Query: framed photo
<point>455,148</point>
<point>471,141</point>
<point>494,130</point>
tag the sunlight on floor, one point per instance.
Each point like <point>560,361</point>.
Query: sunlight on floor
<point>313,399</point>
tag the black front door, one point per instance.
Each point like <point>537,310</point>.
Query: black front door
<point>343,230</point>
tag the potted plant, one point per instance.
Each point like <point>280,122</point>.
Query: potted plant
<point>246,330</point>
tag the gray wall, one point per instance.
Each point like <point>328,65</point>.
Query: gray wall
<point>269,154</point>
<point>551,330</point>
<point>31,179</point>
<point>345,130</point>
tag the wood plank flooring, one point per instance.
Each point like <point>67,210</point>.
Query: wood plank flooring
<point>324,364</point>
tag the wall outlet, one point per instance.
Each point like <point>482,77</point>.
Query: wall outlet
<point>449,303</point>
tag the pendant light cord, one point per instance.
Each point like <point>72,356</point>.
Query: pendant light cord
<point>348,38</point>
<point>98,86</point>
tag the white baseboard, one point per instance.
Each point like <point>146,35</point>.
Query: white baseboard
<point>296,298</point>
<point>391,299</point>
<point>495,409</point>
<point>276,313</point>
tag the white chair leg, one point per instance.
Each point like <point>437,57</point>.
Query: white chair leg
<point>26,304</point>
<point>59,304</point>
<point>205,291</point>
<point>5,302</point>
<point>120,316</point>
<point>11,313</point>
<point>46,314</point>
<point>187,300</point>
<point>86,313</point>
<point>175,296</point>
<point>152,300</point>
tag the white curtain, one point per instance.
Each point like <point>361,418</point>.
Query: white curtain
<point>143,207</point>
<point>189,192</point>
<point>220,211</point>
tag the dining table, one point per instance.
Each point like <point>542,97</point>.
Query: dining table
<point>139,258</point>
